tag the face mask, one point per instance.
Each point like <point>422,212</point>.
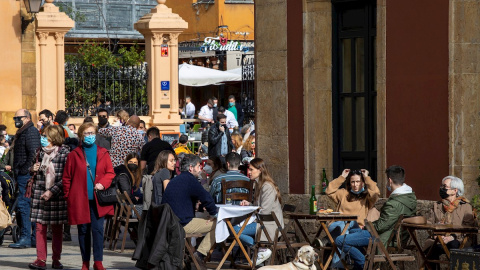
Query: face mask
<point>132,167</point>
<point>443,193</point>
<point>44,141</point>
<point>102,121</point>
<point>215,105</point>
<point>18,123</point>
<point>231,103</point>
<point>207,169</point>
<point>89,140</point>
<point>141,132</point>
<point>117,124</point>
<point>66,124</point>
<point>389,188</point>
<point>6,137</point>
<point>358,192</point>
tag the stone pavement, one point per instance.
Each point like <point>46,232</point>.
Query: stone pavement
<point>11,259</point>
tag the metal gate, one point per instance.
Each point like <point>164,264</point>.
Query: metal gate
<point>248,87</point>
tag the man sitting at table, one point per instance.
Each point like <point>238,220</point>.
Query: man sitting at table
<point>402,201</point>
<point>233,162</point>
<point>182,194</point>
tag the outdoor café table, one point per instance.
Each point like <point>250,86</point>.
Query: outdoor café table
<point>224,227</point>
<point>438,230</point>
<point>324,219</point>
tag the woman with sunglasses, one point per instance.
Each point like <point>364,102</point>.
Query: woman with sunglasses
<point>357,198</point>
<point>454,209</point>
<point>88,168</point>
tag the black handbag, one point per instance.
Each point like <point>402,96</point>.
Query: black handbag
<point>107,196</point>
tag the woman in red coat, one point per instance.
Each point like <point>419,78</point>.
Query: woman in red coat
<point>79,189</point>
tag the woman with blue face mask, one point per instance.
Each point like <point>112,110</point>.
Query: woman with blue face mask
<point>88,168</point>
<point>357,198</point>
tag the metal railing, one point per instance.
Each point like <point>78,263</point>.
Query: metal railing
<point>88,88</point>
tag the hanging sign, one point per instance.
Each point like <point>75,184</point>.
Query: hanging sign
<point>220,44</point>
<point>165,85</point>
<point>164,50</point>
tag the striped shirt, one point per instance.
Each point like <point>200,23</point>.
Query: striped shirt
<point>216,188</point>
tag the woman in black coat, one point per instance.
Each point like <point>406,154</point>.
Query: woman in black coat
<point>129,178</point>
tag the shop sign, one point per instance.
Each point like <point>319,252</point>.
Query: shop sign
<point>221,44</point>
<point>164,50</point>
<point>165,85</point>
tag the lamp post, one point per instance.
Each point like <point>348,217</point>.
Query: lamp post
<point>32,6</point>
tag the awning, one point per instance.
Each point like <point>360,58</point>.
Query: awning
<point>190,75</point>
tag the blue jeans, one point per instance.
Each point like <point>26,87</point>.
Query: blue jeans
<point>248,234</point>
<point>87,231</point>
<point>335,230</point>
<point>27,232</point>
<point>351,242</point>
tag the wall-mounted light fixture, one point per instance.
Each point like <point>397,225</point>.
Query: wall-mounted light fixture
<point>32,6</point>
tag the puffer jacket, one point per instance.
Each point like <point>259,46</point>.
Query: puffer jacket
<point>215,141</point>
<point>27,141</point>
<point>396,205</point>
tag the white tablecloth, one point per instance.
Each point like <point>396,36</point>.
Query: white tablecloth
<point>230,211</point>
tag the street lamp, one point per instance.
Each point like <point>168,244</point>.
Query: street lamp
<point>32,6</point>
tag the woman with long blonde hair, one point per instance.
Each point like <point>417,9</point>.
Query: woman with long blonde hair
<point>268,197</point>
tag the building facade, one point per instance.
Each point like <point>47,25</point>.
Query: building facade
<point>368,84</point>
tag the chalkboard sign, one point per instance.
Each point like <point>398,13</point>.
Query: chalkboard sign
<point>170,136</point>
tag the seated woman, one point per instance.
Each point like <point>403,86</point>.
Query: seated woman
<point>162,174</point>
<point>268,197</point>
<point>358,196</point>
<point>129,177</point>
<point>454,209</point>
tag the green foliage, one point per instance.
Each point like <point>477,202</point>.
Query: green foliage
<point>132,57</point>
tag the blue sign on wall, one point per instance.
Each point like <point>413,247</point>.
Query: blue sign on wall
<point>165,85</point>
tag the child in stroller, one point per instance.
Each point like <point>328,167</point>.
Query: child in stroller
<point>9,197</point>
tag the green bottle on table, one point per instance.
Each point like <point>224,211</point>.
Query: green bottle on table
<point>324,182</point>
<point>313,202</point>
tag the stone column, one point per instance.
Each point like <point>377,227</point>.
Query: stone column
<point>161,29</point>
<point>51,26</point>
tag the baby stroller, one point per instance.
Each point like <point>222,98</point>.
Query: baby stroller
<point>9,196</point>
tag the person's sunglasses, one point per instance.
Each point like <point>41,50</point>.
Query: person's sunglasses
<point>18,118</point>
<point>357,172</point>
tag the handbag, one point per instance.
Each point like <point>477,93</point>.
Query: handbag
<point>107,196</point>
<point>5,218</point>
<point>28,189</point>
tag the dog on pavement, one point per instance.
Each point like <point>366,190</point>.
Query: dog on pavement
<point>305,260</point>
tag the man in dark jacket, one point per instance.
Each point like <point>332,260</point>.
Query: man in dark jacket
<point>402,201</point>
<point>27,141</point>
<point>219,141</point>
<point>182,194</point>
<point>151,150</point>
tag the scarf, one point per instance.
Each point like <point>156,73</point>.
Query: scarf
<point>449,207</point>
<point>47,166</point>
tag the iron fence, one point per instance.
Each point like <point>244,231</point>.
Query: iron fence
<point>88,88</point>
<point>248,87</point>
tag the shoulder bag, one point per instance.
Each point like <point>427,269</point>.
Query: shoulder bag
<point>28,189</point>
<point>107,196</point>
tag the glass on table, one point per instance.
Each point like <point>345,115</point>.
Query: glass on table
<point>228,199</point>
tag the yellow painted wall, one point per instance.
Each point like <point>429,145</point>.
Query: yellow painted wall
<point>11,57</point>
<point>238,17</point>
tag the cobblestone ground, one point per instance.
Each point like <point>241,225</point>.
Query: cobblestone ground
<point>20,258</point>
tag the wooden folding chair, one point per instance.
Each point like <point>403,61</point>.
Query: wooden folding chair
<point>190,249</point>
<point>115,227</point>
<point>384,256</point>
<point>274,242</point>
<point>237,196</point>
<point>126,220</point>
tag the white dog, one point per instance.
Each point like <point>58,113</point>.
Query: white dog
<point>305,260</point>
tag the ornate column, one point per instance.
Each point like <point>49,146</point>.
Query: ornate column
<point>51,26</point>
<point>161,29</point>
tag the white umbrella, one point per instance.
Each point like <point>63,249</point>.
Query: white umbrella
<point>190,75</point>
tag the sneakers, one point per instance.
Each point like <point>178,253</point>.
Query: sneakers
<point>263,255</point>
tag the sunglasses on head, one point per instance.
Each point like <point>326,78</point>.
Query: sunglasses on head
<point>358,172</point>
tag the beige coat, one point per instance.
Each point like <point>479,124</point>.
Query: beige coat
<point>359,208</point>
<point>268,203</point>
<point>462,215</point>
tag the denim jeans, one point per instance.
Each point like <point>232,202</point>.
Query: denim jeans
<point>27,232</point>
<point>335,230</point>
<point>351,242</point>
<point>248,234</point>
<point>94,230</point>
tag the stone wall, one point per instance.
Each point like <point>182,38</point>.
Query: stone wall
<point>271,94</point>
<point>464,97</point>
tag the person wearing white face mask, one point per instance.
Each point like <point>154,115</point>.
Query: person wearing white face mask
<point>357,198</point>
<point>49,206</point>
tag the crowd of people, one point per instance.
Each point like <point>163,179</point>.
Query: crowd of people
<point>61,170</point>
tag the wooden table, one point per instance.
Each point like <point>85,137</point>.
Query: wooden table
<point>438,230</point>
<point>324,219</point>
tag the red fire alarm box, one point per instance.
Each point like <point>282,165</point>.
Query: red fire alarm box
<point>164,50</point>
